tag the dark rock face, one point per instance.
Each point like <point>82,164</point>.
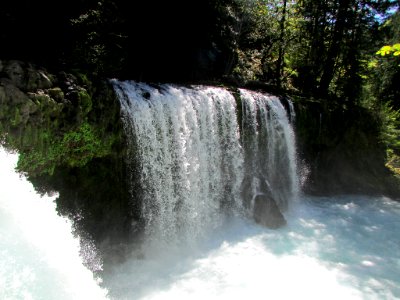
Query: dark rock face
<point>267,213</point>
<point>26,77</point>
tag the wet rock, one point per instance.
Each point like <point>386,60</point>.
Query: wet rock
<point>267,213</point>
<point>10,94</point>
<point>57,94</point>
<point>26,77</point>
<point>15,73</point>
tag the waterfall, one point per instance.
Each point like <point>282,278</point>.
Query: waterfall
<point>193,159</point>
<point>269,144</point>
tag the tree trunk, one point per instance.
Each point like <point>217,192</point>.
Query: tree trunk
<point>280,61</point>
<point>334,50</point>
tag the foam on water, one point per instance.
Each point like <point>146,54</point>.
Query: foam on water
<point>39,257</point>
<point>332,248</point>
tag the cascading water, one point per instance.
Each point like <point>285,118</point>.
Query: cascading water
<point>269,148</point>
<point>190,156</point>
<point>192,160</point>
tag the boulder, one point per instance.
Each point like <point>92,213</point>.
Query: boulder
<point>10,94</point>
<point>266,212</point>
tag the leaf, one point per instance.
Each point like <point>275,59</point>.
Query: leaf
<point>384,50</point>
<point>372,64</point>
<point>396,47</point>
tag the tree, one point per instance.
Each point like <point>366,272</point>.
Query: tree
<point>265,40</point>
<point>336,40</point>
<point>385,70</point>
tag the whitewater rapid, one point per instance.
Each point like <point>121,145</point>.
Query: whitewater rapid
<point>39,256</point>
<point>332,248</point>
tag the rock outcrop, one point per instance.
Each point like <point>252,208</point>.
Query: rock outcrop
<point>68,134</point>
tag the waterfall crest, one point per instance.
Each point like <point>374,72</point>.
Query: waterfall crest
<point>194,160</point>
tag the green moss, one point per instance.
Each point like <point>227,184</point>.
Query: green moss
<point>85,101</point>
<point>56,93</point>
<point>74,149</point>
<point>57,129</point>
<point>17,118</point>
<point>83,79</point>
<point>82,145</point>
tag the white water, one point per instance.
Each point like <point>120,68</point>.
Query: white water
<point>192,168</point>
<point>39,257</point>
<point>269,147</point>
<point>332,248</point>
<point>187,141</point>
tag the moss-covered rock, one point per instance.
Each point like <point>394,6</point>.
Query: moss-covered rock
<point>68,133</point>
<point>56,93</point>
<point>25,76</point>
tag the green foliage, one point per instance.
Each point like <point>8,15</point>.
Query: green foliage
<point>100,38</point>
<point>74,149</point>
<point>386,50</point>
<point>266,41</point>
<point>82,145</point>
<point>390,127</point>
<point>85,101</point>
<point>393,163</point>
<point>313,47</point>
<point>384,72</point>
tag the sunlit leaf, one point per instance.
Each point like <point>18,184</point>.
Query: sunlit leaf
<point>384,50</point>
<point>372,64</point>
<point>396,47</point>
